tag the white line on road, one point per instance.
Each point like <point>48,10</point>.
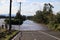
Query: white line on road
<point>33,36</point>
<point>34,39</point>
<point>49,35</point>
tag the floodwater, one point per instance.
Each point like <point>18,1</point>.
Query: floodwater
<point>27,25</point>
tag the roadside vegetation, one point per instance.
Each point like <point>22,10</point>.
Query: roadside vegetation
<point>5,35</point>
<point>47,17</point>
<point>17,20</point>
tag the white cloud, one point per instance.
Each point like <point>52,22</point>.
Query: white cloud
<point>27,9</point>
<point>21,0</point>
<point>41,4</point>
<point>2,1</point>
<point>14,10</point>
<point>4,9</point>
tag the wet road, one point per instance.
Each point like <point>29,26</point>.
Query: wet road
<point>34,31</point>
<point>27,25</point>
<point>30,26</point>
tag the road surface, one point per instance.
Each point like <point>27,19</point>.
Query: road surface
<point>30,26</point>
<point>33,31</point>
<point>36,35</point>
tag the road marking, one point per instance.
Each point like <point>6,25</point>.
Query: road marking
<point>49,35</point>
<point>34,39</point>
<point>33,36</point>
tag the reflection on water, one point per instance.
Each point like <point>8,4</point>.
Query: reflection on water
<point>30,25</point>
<point>27,25</point>
<point>1,21</point>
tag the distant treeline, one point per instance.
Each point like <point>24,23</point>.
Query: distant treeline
<point>2,16</point>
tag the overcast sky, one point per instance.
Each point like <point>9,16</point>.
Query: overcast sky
<point>29,7</point>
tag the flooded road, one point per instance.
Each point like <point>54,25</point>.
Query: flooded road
<point>29,25</point>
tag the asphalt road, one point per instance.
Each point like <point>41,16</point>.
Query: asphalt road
<point>33,31</point>
<point>36,35</point>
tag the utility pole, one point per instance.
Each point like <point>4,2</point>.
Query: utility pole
<point>20,7</point>
<point>20,19</point>
<point>10,15</point>
<point>20,13</point>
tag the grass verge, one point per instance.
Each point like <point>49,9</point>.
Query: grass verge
<point>5,35</point>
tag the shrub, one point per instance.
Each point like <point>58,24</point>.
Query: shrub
<point>14,21</point>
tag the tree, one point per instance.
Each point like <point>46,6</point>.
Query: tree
<point>45,7</point>
<point>46,15</point>
<point>39,16</point>
<point>18,20</point>
<point>58,17</point>
<point>18,15</point>
<point>24,17</point>
<point>50,11</point>
<point>50,8</point>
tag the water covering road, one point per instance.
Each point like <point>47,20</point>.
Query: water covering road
<point>29,25</point>
<point>31,31</point>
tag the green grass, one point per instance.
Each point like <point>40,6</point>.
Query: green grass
<point>8,35</point>
<point>11,35</point>
<point>54,27</point>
